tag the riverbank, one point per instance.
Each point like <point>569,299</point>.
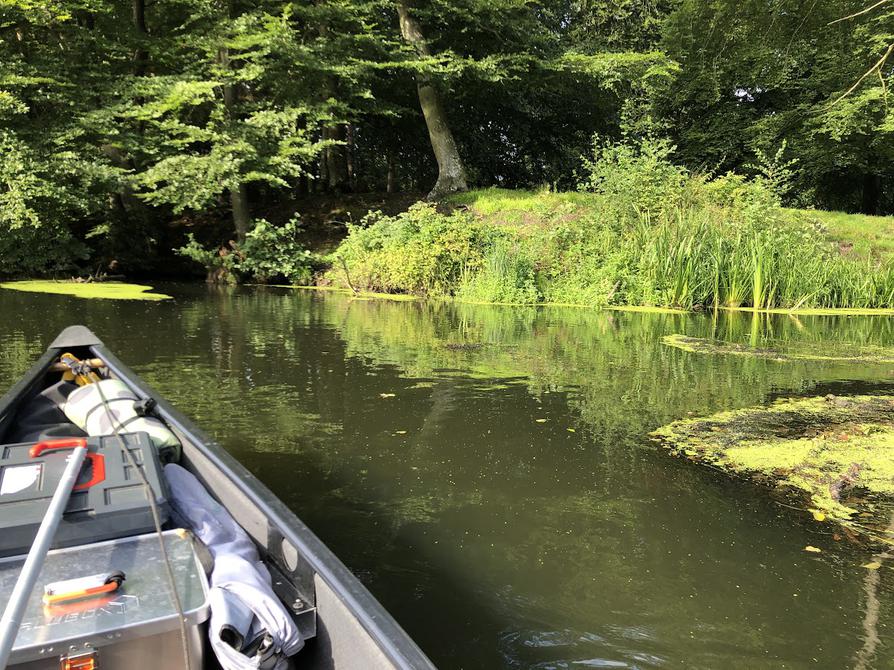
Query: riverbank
<point>723,243</point>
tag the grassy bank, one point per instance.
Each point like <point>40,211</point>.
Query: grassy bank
<point>678,241</point>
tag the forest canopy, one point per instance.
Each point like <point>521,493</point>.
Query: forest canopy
<point>122,122</point>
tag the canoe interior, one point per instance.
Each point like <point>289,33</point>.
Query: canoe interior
<point>344,625</point>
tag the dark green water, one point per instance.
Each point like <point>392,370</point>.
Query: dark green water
<point>407,436</point>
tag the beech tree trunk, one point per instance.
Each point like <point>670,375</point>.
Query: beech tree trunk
<point>349,156</point>
<point>451,172</point>
<point>391,177</point>
<point>241,211</point>
<point>336,160</point>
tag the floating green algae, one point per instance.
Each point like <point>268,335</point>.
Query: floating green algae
<point>359,295</point>
<point>646,309</point>
<point>835,452</point>
<point>89,290</point>
<point>792,351</point>
<point>816,311</point>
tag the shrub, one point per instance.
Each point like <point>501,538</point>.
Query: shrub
<point>219,262</point>
<point>776,172</point>
<point>268,252</point>
<point>639,176</point>
<point>419,251</point>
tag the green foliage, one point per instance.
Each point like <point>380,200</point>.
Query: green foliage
<point>507,275</point>
<point>787,73</point>
<point>778,173</point>
<point>639,174</point>
<point>268,252</point>
<point>273,251</point>
<point>219,262</point>
<point>28,251</point>
<point>651,234</point>
<point>751,257</point>
<point>420,251</point>
<point>113,125</point>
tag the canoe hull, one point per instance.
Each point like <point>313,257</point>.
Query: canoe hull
<point>348,626</point>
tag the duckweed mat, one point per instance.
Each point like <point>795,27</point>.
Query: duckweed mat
<point>791,351</point>
<point>836,453</point>
<point>88,290</point>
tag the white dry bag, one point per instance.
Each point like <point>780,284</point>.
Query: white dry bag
<point>107,406</point>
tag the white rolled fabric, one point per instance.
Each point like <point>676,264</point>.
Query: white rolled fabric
<point>85,408</point>
<point>240,583</point>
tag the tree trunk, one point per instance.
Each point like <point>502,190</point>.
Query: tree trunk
<point>391,177</point>
<point>872,190</point>
<point>349,156</point>
<point>141,56</point>
<point>239,194</point>
<point>451,172</point>
<point>323,180</point>
<point>241,212</point>
<point>336,160</point>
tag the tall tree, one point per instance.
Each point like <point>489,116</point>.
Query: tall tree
<point>451,172</point>
<point>782,74</point>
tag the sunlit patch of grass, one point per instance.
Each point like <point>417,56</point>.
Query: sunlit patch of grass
<point>855,234</point>
<point>88,290</point>
<point>526,208</point>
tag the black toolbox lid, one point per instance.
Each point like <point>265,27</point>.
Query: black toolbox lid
<point>109,499</point>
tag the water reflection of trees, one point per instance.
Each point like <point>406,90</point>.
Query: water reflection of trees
<point>590,529</point>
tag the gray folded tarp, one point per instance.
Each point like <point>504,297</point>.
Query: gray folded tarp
<point>250,628</point>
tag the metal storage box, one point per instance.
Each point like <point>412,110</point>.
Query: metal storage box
<point>134,628</point>
<point>108,501</point>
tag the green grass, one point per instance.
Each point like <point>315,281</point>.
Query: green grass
<point>868,234</point>
<point>502,206</point>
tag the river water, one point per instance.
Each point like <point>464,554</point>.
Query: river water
<point>487,471</point>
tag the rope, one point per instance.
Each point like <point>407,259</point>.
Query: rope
<point>150,494</point>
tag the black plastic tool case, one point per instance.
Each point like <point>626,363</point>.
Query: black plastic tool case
<point>108,500</point>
